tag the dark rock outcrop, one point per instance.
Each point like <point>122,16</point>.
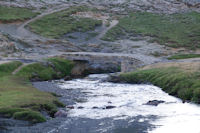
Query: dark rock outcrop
<point>67,78</point>
<point>110,107</point>
<point>80,107</point>
<point>154,102</point>
<point>94,107</point>
<point>70,107</point>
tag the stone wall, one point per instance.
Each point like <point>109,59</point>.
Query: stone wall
<point>102,63</point>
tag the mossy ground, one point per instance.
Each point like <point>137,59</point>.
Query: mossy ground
<point>19,99</point>
<point>183,82</point>
<point>175,30</point>
<point>11,14</point>
<point>60,23</point>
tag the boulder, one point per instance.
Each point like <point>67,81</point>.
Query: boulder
<point>60,113</point>
<point>94,107</point>
<point>67,78</point>
<point>80,107</point>
<point>70,107</point>
<point>154,102</point>
<point>110,107</point>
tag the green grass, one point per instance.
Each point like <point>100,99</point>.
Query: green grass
<point>60,23</point>
<point>10,14</point>
<point>8,68</point>
<point>19,99</point>
<point>175,30</point>
<point>93,34</point>
<point>173,80</point>
<point>22,114</point>
<point>184,56</point>
<point>37,70</point>
<point>33,116</point>
<point>16,93</point>
<point>54,68</point>
<point>9,112</point>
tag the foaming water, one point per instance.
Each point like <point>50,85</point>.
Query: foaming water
<point>130,101</point>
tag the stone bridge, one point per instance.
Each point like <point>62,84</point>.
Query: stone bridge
<point>111,61</point>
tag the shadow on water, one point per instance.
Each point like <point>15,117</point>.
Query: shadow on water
<point>138,125</point>
<point>105,125</point>
<point>7,125</point>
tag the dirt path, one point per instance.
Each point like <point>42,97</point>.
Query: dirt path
<point>24,33</point>
<point>18,69</point>
<point>112,24</point>
<point>44,14</point>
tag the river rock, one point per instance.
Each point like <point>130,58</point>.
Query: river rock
<point>80,107</point>
<point>60,113</point>
<point>67,78</point>
<point>80,100</point>
<point>115,79</point>
<point>154,102</point>
<point>70,107</point>
<point>94,107</point>
<point>110,107</point>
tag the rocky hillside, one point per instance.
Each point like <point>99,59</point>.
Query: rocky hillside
<point>164,6</point>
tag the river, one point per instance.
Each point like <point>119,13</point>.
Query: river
<point>127,113</point>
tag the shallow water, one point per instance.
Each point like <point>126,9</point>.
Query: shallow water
<point>171,116</point>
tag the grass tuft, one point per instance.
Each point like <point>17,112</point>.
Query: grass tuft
<point>22,114</point>
<point>8,112</point>
<point>32,116</point>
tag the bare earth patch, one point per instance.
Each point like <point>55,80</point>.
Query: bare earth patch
<point>93,15</point>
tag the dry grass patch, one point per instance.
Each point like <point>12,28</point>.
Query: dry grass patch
<point>185,66</point>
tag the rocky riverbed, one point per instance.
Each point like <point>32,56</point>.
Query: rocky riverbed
<point>97,106</point>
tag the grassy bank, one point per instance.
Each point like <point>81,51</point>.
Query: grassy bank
<point>19,99</point>
<point>175,30</point>
<point>11,14</point>
<point>178,79</point>
<point>52,68</point>
<point>60,23</point>
<point>184,56</point>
